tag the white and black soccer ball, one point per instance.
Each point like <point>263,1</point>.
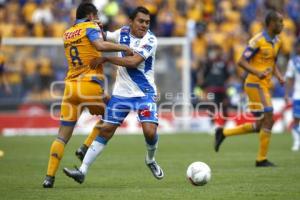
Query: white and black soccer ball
<point>198,173</point>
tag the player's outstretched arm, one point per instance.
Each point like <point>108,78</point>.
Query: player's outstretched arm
<point>128,61</point>
<point>278,75</point>
<point>288,88</point>
<point>105,46</point>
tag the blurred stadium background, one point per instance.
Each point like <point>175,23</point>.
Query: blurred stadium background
<point>193,34</point>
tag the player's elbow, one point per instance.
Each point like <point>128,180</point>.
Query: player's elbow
<point>101,48</point>
<point>241,62</point>
<point>132,65</point>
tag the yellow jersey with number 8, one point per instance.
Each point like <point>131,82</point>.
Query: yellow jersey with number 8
<point>79,51</point>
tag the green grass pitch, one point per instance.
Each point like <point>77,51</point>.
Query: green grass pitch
<point>120,172</point>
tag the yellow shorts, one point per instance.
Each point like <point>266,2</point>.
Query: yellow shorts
<point>80,95</point>
<point>259,98</point>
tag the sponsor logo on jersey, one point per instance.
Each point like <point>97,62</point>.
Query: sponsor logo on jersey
<point>137,43</point>
<point>141,52</point>
<point>147,47</point>
<point>73,34</point>
<point>151,39</point>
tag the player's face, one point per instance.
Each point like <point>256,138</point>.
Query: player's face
<point>278,24</point>
<point>140,25</point>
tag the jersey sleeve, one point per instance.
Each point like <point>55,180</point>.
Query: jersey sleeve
<point>290,69</point>
<point>93,33</point>
<point>113,36</point>
<point>251,49</point>
<point>147,47</point>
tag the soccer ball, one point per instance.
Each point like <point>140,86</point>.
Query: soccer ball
<point>198,173</point>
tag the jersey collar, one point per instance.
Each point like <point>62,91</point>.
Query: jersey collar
<point>81,20</point>
<point>268,37</point>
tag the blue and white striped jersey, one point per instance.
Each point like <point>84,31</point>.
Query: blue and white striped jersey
<point>140,81</point>
<point>293,71</point>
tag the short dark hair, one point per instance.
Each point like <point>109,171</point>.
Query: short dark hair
<point>85,9</point>
<point>272,15</point>
<point>137,10</point>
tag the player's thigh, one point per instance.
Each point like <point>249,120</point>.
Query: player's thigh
<point>147,109</point>
<point>69,105</point>
<point>259,97</point>
<point>117,110</point>
<point>91,95</point>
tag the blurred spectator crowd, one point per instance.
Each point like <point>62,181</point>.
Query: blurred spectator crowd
<point>218,31</point>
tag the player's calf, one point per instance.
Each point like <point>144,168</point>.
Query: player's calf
<point>219,138</point>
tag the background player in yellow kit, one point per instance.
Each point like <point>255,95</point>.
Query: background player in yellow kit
<point>83,85</point>
<point>259,60</point>
<point>3,82</point>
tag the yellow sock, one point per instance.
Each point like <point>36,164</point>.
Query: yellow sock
<point>239,130</point>
<point>56,154</point>
<point>91,137</point>
<point>264,140</point>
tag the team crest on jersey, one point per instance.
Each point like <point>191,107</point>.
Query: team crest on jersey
<point>137,43</point>
<point>266,52</point>
<point>151,39</point>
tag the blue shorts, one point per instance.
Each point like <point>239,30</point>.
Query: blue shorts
<point>119,107</point>
<point>296,108</point>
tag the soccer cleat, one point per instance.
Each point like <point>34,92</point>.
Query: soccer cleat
<point>219,138</point>
<point>81,151</point>
<point>155,169</point>
<point>77,175</point>
<point>264,163</point>
<point>49,182</point>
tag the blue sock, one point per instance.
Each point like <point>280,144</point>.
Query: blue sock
<point>101,140</point>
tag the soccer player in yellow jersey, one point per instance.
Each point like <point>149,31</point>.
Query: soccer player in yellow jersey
<point>3,80</point>
<point>83,85</point>
<point>259,60</point>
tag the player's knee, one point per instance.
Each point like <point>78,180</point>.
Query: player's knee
<point>106,131</point>
<point>257,126</point>
<point>65,133</point>
<point>268,122</point>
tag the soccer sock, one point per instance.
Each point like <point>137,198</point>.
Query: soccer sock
<point>296,135</point>
<point>94,150</point>
<point>91,137</point>
<point>264,140</point>
<point>239,130</point>
<point>151,146</point>
<point>56,154</point>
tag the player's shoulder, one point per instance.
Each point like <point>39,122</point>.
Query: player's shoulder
<point>150,37</point>
<point>257,38</point>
